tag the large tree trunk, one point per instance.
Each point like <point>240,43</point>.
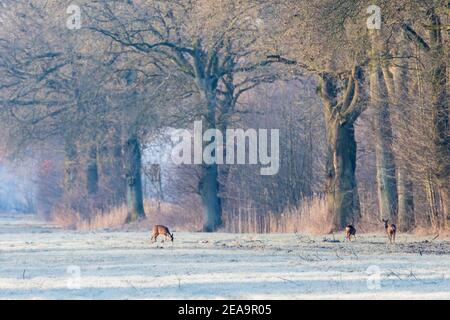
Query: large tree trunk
<point>385,160</point>
<point>399,94</point>
<point>209,191</point>
<point>92,171</point>
<point>209,181</point>
<point>133,164</point>
<point>341,187</point>
<point>439,100</point>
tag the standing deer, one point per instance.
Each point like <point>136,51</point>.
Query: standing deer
<point>161,230</point>
<point>391,230</point>
<point>350,231</point>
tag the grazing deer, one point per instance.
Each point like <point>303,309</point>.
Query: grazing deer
<point>350,231</point>
<point>391,230</point>
<point>161,230</point>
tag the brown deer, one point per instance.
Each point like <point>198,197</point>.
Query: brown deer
<point>161,230</point>
<point>350,231</point>
<point>391,230</point>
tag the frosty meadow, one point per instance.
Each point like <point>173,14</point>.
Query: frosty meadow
<point>225,149</point>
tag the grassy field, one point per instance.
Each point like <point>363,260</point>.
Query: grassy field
<point>39,261</point>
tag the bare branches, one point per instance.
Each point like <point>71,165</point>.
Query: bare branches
<point>413,36</point>
<point>358,101</point>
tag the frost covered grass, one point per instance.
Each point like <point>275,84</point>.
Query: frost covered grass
<point>38,261</point>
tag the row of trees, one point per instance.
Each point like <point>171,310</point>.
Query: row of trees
<point>412,42</point>
<point>97,95</point>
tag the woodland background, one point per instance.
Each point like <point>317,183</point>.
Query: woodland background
<point>363,113</point>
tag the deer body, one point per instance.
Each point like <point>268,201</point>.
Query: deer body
<point>391,230</point>
<point>350,231</point>
<point>161,230</point>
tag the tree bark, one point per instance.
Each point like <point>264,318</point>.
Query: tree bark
<point>133,164</point>
<point>399,95</point>
<point>380,83</point>
<point>385,160</point>
<point>92,171</point>
<point>209,190</point>
<point>207,82</point>
<point>341,187</point>
<point>209,183</point>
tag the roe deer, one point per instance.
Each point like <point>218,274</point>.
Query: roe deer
<point>350,231</point>
<point>391,230</point>
<point>160,230</point>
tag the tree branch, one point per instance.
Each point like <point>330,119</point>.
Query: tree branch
<point>413,36</point>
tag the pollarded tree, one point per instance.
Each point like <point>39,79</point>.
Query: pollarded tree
<point>341,114</point>
<point>326,44</point>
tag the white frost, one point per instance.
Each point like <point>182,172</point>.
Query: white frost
<point>35,259</point>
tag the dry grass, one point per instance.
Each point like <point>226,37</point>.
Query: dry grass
<point>70,219</point>
<point>310,217</point>
<point>172,215</point>
<point>188,217</point>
